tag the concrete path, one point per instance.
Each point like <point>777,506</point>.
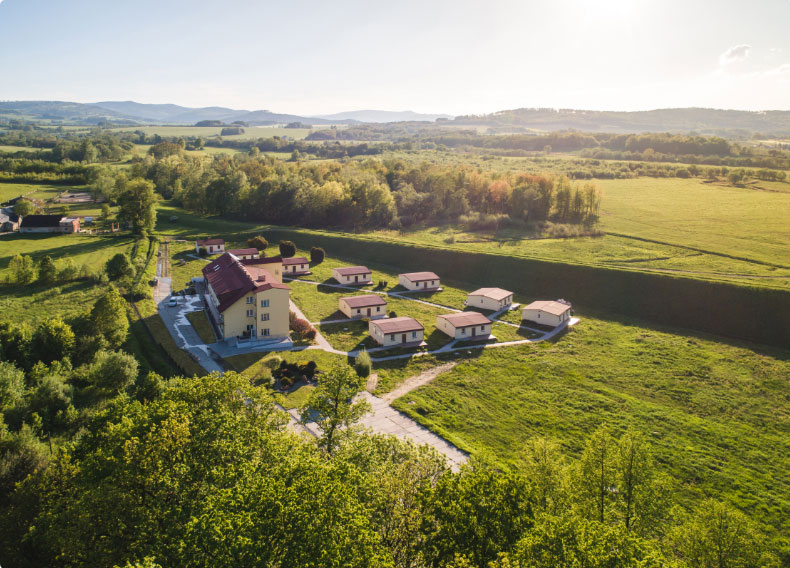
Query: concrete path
<point>184,334</point>
<point>386,420</point>
<point>319,339</point>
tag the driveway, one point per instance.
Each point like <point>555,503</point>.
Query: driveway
<point>185,336</point>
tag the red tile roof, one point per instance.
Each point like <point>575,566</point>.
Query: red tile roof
<point>365,301</point>
<point>239,252</point>
<point>231,280</point>
<point>466,319</point>
<point>264,260</point>
<point>397,325</point>
<point>352,270</point>
<point>204,242</point>
<point>295,260</point>
<point>420,276</point>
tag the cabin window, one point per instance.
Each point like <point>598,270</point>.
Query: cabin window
<point>359,311</point>
<point>482,328</point>
<point>463,331</point>
<point>414,334</point>
<point>392,337</point>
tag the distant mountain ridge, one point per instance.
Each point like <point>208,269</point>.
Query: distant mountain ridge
<point>384,116</point>
<point>130,112</point>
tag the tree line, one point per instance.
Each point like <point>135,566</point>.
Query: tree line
<point>205,472</point>
<point>368,193</point>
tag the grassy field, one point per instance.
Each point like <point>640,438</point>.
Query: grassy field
<point>251,132</point>
<point>31,190</point>
<point>717,415</point>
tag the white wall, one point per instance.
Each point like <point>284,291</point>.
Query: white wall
<point>462,332</point>
<point>375,311</point>
<point>387,340</point>
<point>362,278</point>
<point>544,318</point>
<point>488,303</point>
<point>409,285</point>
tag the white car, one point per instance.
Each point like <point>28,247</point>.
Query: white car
<point>173,301</point>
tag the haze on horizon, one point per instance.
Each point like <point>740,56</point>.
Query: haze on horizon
<point>454,57</point>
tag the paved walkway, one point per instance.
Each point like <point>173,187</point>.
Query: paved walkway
<point>386,420</point>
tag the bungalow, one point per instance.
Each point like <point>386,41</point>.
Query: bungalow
<point>465,325</point>
<point>245,254</point>
<point>49,224</point>
<point>493,299</point>
<point>391,332</point>
<point>245,299</point>
<point>367,306</point>
<point>212,246</point>
<point>548,313</point>
<point>352,275</point>
<point>419,281</point>
<point>296,265</point>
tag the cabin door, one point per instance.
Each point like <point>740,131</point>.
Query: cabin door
<point>368,312</point>
<point>356,279</point>
<point>474,331</point>
<point>403,338</point>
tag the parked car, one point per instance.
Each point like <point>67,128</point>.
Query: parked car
<point>173,301</point>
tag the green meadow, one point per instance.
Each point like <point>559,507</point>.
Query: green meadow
<point>716,414</point>
<point>250,132</point>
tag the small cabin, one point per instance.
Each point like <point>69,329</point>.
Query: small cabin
<point>212,246</point>
<point>353,275</point>
<point>392,332</point>
<point>366,306</point>
<point>296,265</point>
<point>547,312</point>
<point>493,299</point>
<point>427,281</point>
<point>245,254</point>
<point>465,325</point>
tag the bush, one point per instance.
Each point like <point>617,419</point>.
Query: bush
<point>273,362</point>
<point>382,285</point>
<point>258,242</point>
<point>317,255</point>
<point>287,249</point>
<point>202,251</point>
<point>363,364</point>
<point>302,329</point>
<point>392,314</point>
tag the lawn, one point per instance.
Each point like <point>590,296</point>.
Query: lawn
<point>250,132</point>
<point>199,321</point>
<point>32,190</point>
<point>717,415</point>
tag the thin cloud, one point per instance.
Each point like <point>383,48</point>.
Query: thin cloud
<point>734,54</point>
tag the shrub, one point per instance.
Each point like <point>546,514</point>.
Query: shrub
<point>382,285</point>
<point>258,242</point>
<point>202,251</point>
<point>392,314</point>
<point>317,255</point>
<point>287,249</point>
<point>302,328</point>
<point>363,364</point>
<point>273,362</point>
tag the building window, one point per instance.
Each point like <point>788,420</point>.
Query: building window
<point>482,328</point>
<point>392,337</point>
<point>414,334</point>
<point>250,300</point>
<point>264,303</point>
<point>358,311</point>
<point>265,332</point>
<point>378,308</point>
<point>463,331</point>
<point>265,317</point>
<point>250,314</point>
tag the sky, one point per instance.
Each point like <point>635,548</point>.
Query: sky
<point>443,56</point>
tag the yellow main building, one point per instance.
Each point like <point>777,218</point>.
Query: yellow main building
<point>246,297</point>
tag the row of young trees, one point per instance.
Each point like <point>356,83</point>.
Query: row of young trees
<point>369,193</point>
<point>206,473</point>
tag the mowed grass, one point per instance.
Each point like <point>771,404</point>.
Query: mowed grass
<point>31,190</point>
<point>199,321</point>
<point>250,132</point>
<point>717,415</point>
<point>35,302</point>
